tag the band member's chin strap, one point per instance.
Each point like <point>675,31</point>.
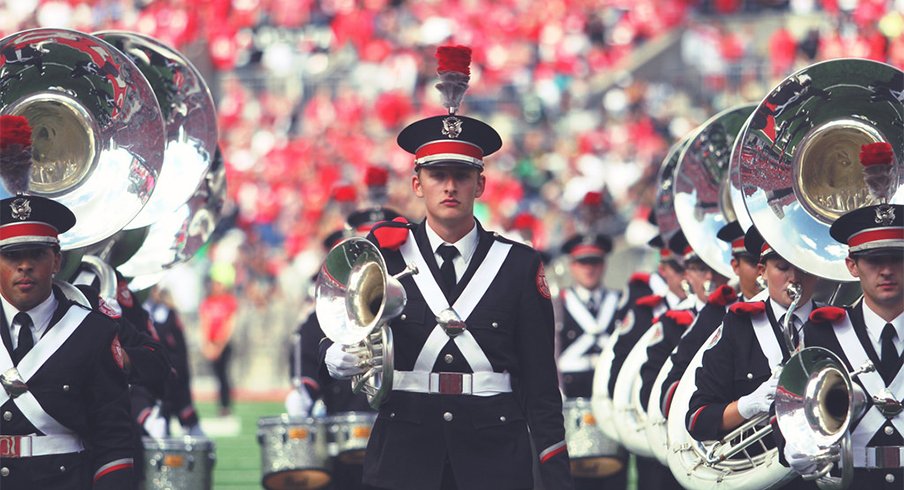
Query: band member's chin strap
<point>58,439</point>
<point>873,419</point>
<point>483,381</point>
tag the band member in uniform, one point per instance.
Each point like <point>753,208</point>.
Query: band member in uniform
<point>309,382</point>
<point>650,296</point>
<point>710,316</point>
<point>65,400</point>
<point>589,318</point>
<point>739,374</point>
<point>464,392</point>
<point>870,330</point>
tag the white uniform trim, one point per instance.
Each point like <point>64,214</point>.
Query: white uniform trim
<point>574,358</point>
<point>762,328</point>
<point>419,379</point>
<point>873,420</point>
<point>30,364</point>
<point>112,466</point>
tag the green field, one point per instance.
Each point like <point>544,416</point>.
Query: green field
<point>239,458</point>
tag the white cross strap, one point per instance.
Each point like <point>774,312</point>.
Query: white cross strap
<point>464,305</point>
<point>873,420</point>
<point>765,335</point>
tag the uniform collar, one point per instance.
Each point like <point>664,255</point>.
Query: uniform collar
<point>466,245</point>
<point>802,312</point>
<point>586,295</point>
<point>875,324</point>
<point>40,315</point>
<point>672,300</point>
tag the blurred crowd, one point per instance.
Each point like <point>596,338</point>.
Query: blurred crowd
<point>588,95</point>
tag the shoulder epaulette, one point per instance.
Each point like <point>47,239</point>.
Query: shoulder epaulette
<point>681,317</point>
<point>649,301</point>
<point>827,314</point>
<point>639,278</point>
<point>391,234</point>
<point>723,295</point>
<point>751,308</point>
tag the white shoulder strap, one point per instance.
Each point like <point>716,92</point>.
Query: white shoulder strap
<point>464,305</point>
<point>873,420</point>
<point>32,362</point>
<point>578,311</point>
<point>766,338</point>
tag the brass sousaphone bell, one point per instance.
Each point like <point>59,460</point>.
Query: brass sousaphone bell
<point>355,298</point>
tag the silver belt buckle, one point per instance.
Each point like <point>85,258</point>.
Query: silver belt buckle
<point>451,323</point>
<point>13,383</point>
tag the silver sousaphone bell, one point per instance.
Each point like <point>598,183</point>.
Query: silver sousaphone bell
<point>355,298</point>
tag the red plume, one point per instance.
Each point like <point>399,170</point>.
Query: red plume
<point>876,154</point>
<point>15,153</point>
<point>649,301</point>
<point>723,295</point>
<point>593,198</point>
<point>752,308</point>
<point>454,59</point>
<point>376,176</point>
<point>454,70</point>
<point>391,234</point>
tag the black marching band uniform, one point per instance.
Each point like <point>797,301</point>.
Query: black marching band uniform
<point>648,298</point>
<point>708,319</point>
<point>750,347</point>
<point>68,425</point>
<point>857,335</point>
<point>589,318</point>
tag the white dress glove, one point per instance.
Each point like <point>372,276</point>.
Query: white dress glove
<point>760,400</point>
<point>155,423</point>
<point>804,464</point>
<point>342,364</point>
<point>298,402</point>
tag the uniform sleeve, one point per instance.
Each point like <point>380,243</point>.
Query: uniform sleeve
<point>640,317</point>
<point>714,379</point>
<point>539,378</point>
<point>150,366</point>
<point>657,353</point>
<point>109,436</point>
<point>688,347</point>
<point>311,335</point>
<point>178,397</point>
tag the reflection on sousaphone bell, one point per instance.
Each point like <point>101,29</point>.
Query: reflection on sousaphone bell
<point>97,129</point>
<point>355,298</point>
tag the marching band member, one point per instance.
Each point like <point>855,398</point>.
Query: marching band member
<point>589,318</point>
<point>464,393</point>
<point>870,330</point>
<point>309,382</point>
<point>738,375</point>
<point>710,316</point>
<point>650,296</point>
<point>65,403</point>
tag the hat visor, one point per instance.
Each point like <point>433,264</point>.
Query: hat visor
<point>879,252</point>
<point>449,162</point>
<point>13,247</point>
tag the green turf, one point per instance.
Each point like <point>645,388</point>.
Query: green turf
<point>238,463</point>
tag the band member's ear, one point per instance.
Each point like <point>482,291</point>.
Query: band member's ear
<point>416,185</point>
<point>481,185</point>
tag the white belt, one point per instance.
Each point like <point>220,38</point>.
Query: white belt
<point>25,446</point>
<point>879,457</point>
<point>477,384</point>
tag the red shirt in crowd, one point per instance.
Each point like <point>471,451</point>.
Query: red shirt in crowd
<point>217,310</point>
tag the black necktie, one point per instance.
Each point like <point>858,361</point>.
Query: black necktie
<point>26,340</point>
<point>593,306</point>
<point>792,326</point>
<point>890,357</point>
<point>447,270</point>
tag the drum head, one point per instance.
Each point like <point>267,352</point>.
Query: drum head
<point>296,480</point>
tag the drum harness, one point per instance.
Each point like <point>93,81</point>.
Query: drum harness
<point>58,439</point>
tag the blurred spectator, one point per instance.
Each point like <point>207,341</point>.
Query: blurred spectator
<point>217,317</point>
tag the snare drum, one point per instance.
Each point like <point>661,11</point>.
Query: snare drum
<point>178,463</point>
<point>349,433</point>
<point>592,454</point>
<point>293,453</point>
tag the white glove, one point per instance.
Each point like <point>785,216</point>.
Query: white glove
<point>760,400</point>
<point>806,465</point>
<point>195,431</point>
<point>342,364</point>
<point>155,424</point>
<point>298,402</point>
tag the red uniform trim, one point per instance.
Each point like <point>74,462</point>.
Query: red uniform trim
<point>445,147</point>
<point>392,236</point>
<point>723,295</point>
<point>119,464</point>
<point>827,314</point>
<point>27,228</point>
<point>682,317</point>
<point>649,301</point>
<point>694,418</point>
<point>583,250</point>
<point>553,450</point>
<point>639,277</point>
<point>875,235</point>
<point>751,308</point>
